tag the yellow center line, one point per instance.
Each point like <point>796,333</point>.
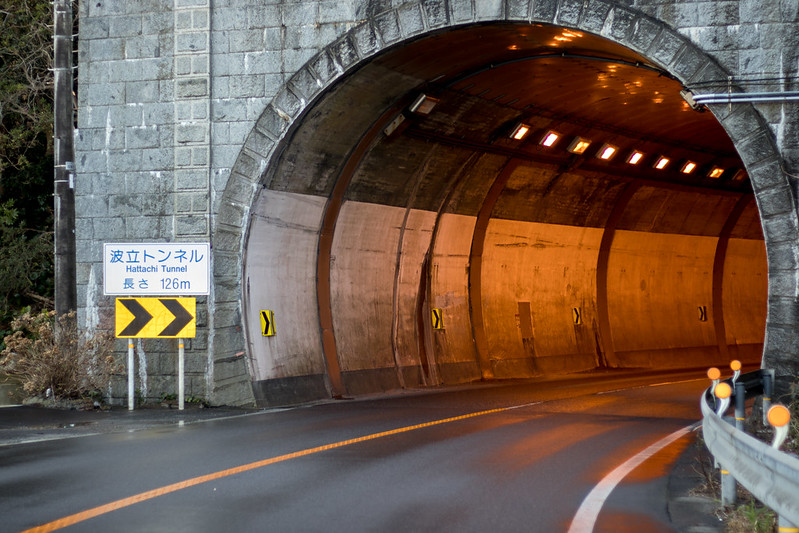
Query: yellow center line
<point>150,494</point>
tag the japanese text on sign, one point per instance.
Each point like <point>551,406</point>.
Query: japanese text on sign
<point>156,268</point>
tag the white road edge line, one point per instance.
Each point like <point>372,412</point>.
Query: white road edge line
<point>585,518</point>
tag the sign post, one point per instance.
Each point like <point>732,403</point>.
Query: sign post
<point>156,318</point>
<point>181,378</point>
<point>169,271</point>
<point>130,376</point>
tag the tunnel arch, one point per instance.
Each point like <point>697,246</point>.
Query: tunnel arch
<point>618,24</point>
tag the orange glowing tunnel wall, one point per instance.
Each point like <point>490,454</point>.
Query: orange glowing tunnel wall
<point>540,309</point>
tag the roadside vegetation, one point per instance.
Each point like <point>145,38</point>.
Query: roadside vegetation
<point>26,159</point>
<point>58,367</point>
<point>34,351</point>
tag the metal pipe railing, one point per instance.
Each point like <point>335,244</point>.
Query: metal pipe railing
<point>746,98</point>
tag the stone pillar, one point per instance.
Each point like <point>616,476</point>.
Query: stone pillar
<point>192,127</point>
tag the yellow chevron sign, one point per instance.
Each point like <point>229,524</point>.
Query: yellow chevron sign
<point>267,323</point>
<point>156,318</point>
<point>438,319</point>
<point>577,316</point>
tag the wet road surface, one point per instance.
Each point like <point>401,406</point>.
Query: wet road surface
<point>518,456</point>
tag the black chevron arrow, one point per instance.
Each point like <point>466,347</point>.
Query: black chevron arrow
<point>267,324</point>
<point>182,317</point>
<point>140,317</point>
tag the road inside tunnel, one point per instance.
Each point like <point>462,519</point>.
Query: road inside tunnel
<point>500,201</point>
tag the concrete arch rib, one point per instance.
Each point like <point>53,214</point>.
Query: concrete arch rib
<point>615,21</point>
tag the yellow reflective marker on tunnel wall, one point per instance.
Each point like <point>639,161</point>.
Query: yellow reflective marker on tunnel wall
<point>267,323</point>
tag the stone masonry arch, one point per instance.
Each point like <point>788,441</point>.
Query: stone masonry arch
<point>615,21</point>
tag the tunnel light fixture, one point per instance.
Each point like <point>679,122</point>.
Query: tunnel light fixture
<point>662,162</point>
<point>688,167</point>
<point>423,104</point>
<point>520,131</point>
<point>739,175</point>
<point>715,172</point>
<point>394,124</point>
<point>550,138</point>
<point>607,151</point>
<point>635,157</point>
<point>579,145</point>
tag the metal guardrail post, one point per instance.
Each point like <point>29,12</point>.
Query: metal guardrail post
<point>735,365</point>
<point>740,405</point>
<point>729,488</point>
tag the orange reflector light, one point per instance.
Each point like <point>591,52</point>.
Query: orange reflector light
<point>723,390</point>
<point>779,416</point>
<point>713,373</point>
<point>735,364</point>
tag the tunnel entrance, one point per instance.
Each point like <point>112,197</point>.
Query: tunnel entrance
<point>564,207</point>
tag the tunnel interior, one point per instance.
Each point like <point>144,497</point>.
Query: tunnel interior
<point>409,234</point>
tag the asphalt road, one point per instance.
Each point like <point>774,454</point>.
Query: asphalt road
<point>518,456</point>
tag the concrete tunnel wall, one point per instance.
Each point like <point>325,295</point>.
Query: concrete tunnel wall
<point>534,278</point>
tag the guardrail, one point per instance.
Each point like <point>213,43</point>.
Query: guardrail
<point>769,474</point>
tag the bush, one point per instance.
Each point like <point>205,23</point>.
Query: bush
<point>46,353</point>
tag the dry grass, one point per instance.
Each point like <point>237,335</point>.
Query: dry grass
<point>51,359</point>
<point>749,517</point>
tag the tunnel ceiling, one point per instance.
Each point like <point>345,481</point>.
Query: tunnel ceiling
<point>486,80</point>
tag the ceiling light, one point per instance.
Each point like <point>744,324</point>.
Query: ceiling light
<point>424,104</point>
<point>606,152</point>
<point>739,176</point>
<point>635,157</point>
<point>715,172</point>
<point>688,167</point>
<point>520,131</point>
<point>550,138</point>
<point>661,163</point>
<point>579,145</point>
